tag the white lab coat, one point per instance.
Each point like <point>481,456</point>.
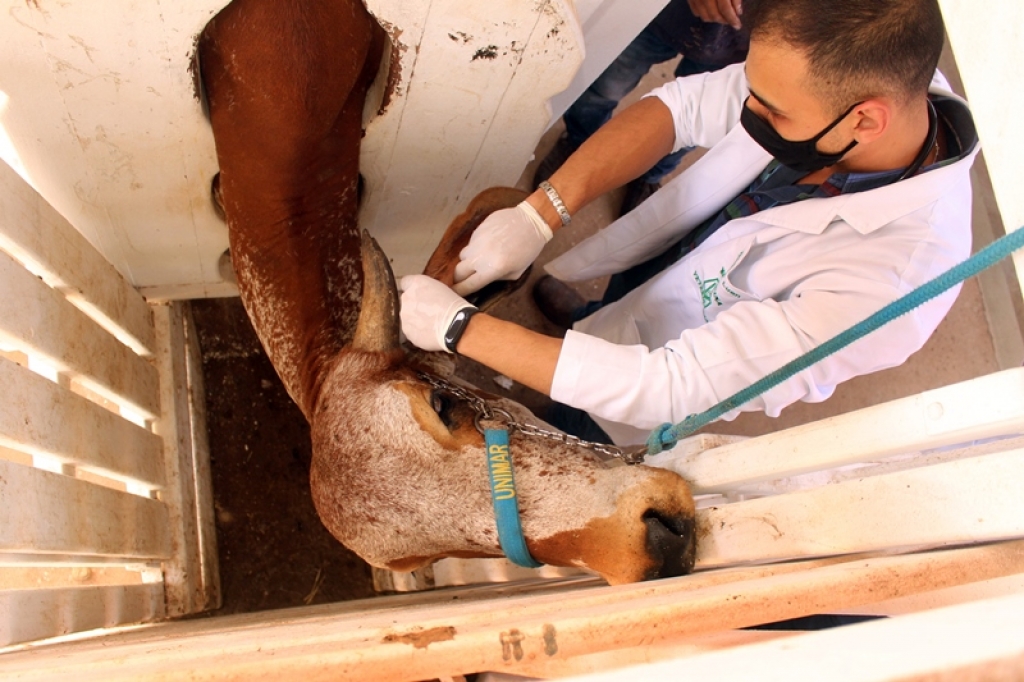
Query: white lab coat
<point>762,290</point>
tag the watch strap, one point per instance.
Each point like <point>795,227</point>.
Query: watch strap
<point>458,327</point>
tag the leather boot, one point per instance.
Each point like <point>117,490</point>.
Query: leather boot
<point>637,192</point>
<point>557,301</point>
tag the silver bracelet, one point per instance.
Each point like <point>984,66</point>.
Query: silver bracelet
<point>557,202</point>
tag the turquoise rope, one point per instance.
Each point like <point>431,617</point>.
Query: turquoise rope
<point>666,436</point>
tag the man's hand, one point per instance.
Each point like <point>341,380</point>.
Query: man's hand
<point>719,11</point>
<point>504,245</point>
<point>428,308</point>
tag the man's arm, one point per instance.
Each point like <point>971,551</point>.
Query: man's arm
<point>623,149</point>
<point>517,352</point>
<point>507,241</point>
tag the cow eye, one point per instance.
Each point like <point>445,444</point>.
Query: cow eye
<point>442,403</point>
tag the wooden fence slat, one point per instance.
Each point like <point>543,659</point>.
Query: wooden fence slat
<point>33,230</point>
<point>970,500</point>
<point>36,315</point>
<point>992,405</point>
<point>38,414</point>
<point>950,596</point>
<point>191,574</point>
<point>27,615</point>
<point>42,512</point>
<point>426,643</point>
<point>977,641</point>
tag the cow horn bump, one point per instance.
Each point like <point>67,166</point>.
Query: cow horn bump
<point>377,329</point>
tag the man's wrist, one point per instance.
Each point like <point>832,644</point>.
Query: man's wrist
<point>540,203</point>
<point>458,327</point>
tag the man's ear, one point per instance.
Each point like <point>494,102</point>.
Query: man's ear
<point>873,117</point>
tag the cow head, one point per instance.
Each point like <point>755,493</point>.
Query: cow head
<point>400,476</point>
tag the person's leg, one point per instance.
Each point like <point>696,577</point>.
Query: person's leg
<point>669,163</point>
<point>575,422</point>
<point>624,282</point>
<point>594,107</point>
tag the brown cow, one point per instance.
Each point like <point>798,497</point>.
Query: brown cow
<point>398,473</point>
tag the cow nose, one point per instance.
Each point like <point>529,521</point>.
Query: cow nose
<point>671,543</point>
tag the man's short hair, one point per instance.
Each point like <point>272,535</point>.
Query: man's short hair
<point>856,49</point>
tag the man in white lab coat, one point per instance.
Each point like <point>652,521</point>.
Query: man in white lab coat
<point>836,181</point>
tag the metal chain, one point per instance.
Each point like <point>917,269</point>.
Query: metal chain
<point>485,412</point>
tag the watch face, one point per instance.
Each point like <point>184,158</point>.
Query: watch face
<point>455,329</point>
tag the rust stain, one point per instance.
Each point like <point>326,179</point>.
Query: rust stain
<point>489,52</point>
<point>421,639</point>
<point>550,643</point>
<point>770,520</point>
<point>512,645</point>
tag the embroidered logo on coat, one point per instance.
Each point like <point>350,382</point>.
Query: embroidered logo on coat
<point>709,290</point>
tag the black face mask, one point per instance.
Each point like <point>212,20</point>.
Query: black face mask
<point>801,156</point>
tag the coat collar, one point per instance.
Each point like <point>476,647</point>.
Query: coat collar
<point>867,211</point>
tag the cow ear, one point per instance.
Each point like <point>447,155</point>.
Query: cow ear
<point>441,265</point>
<point>377,330</point>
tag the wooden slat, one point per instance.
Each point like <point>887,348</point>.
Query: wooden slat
<point>34,315</point>
<point>191,574</point>
<point>988,406</point>
<point>206,523</point>
<point>43,512</point>
<point>900,463</point>
<point>38,415</point>
<point>951,596</point>
<point>27,615</point>
<point>973,642</point>
<point>670,650</point>
<point>958,502</point>
<point>33,231</point>
<point>521,636</point>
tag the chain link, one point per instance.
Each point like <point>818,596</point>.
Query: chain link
<point>485,412</point>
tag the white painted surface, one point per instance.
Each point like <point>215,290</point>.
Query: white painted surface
<point>39,321</point>
<point>47,513</point>
<point>191,574</point>
<point>48,246</point>
<point>37,614</point>
<point>988,43</point>
<point>97,113</point>
<point>78,461</point>
<point>417,637</point>
<point>954,503</point>
<point>986,407</point>
<point>100,115</point>
<point>609,27</point>
<point>37,415</point>
<point>472,105</point>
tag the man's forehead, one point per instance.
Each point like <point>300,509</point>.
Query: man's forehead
<point>776,74</point>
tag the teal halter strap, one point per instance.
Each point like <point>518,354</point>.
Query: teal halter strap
<point>666,436</point>
<point>504,496</point>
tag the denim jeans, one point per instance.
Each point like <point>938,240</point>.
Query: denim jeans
<point>595,106</point>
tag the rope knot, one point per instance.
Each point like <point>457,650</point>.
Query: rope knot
<point>660,439</point>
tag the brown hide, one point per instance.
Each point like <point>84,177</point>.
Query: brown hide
<point>441,265</point>
<point>288,147</point>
